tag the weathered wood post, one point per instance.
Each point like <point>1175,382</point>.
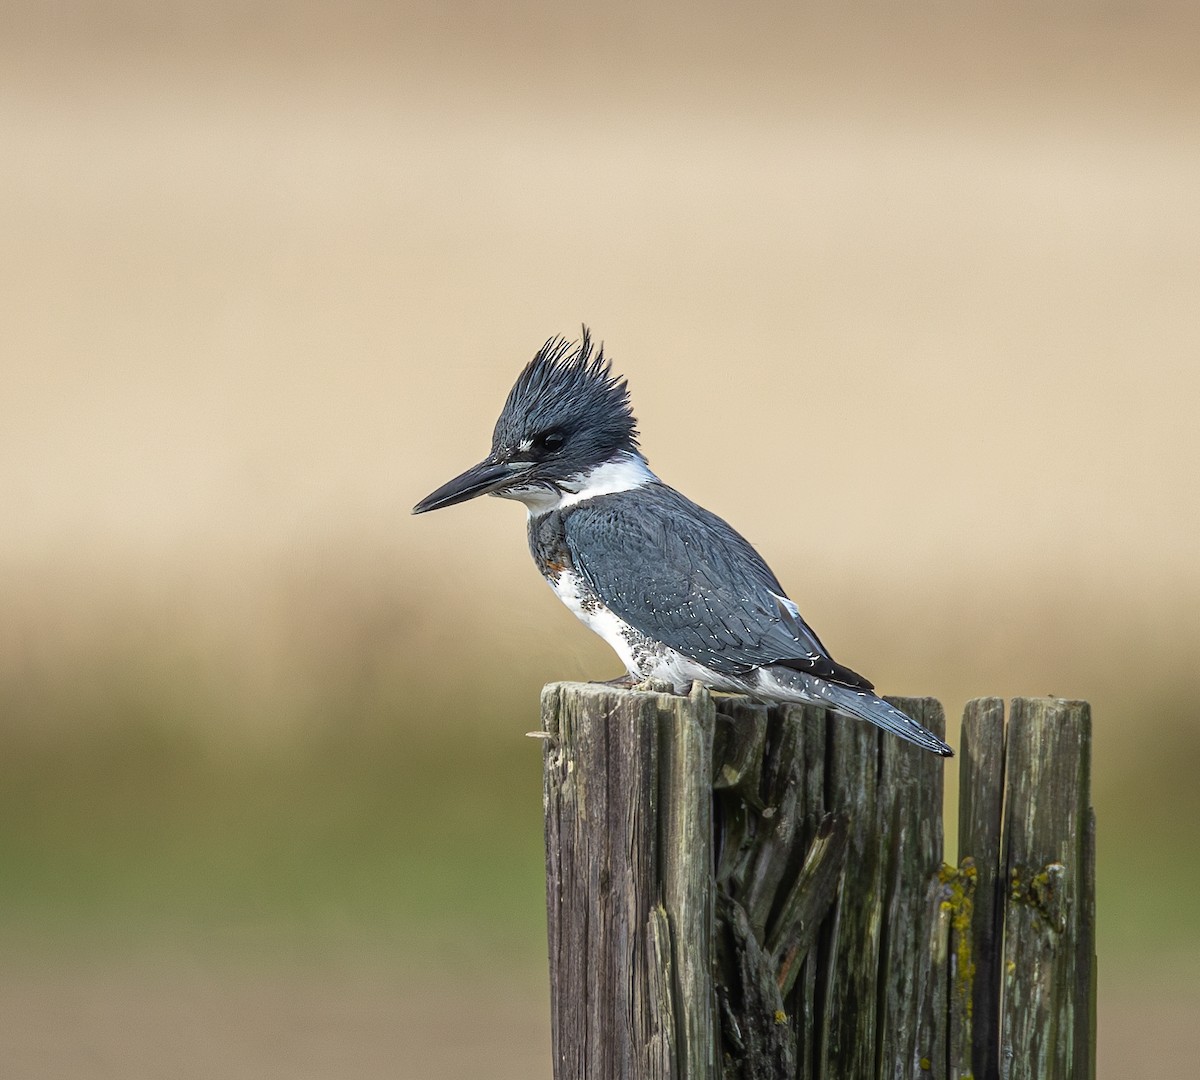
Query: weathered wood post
<point>737,890</point>
<point>1048,979</point>
<point>629,859</point>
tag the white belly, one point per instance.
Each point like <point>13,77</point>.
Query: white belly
<point>597,618</point>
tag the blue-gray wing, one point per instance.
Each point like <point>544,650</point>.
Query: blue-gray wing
<point>682,576</point>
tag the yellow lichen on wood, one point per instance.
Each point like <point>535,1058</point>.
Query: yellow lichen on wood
<point>958,885</point>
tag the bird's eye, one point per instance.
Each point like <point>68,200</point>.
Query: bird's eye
<point>549,441</point>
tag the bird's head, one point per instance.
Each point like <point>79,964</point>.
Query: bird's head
<point>566,417</point>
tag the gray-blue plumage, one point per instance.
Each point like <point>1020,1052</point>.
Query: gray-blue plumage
<point>676,591</point>
<point>683,576</point>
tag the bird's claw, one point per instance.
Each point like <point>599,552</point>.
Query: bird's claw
<point>624,682</point>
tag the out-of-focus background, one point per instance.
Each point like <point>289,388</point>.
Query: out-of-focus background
<point>910,296</point>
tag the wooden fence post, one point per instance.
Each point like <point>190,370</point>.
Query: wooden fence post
<point>737,890</point>
<point>1049,949</point>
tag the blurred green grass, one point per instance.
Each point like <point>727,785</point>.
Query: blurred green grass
<point>1148,804</point>
<point>391,814</point>
<point>140,833</point>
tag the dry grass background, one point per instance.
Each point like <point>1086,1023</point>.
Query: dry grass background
<point>908,296</point>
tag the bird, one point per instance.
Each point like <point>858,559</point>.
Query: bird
<point>676,591</point>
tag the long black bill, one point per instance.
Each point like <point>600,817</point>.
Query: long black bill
<point>477,480</point>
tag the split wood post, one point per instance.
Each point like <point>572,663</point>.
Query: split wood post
<point>751,892</point>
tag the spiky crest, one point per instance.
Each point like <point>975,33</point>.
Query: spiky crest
<point>569,387</point>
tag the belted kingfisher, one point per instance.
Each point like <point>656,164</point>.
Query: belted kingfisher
<point>678,593</point>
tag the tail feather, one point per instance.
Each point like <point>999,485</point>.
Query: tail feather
<point>866,706</point>
<point>786,684</point>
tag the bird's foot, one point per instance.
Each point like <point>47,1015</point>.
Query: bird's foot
<point>625,682</point>
<point>636,682</point>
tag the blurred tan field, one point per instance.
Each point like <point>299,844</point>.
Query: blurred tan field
<point>910,297</point>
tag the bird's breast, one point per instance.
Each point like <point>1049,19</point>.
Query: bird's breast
<point>548,545</point>
<point>640,653</point>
